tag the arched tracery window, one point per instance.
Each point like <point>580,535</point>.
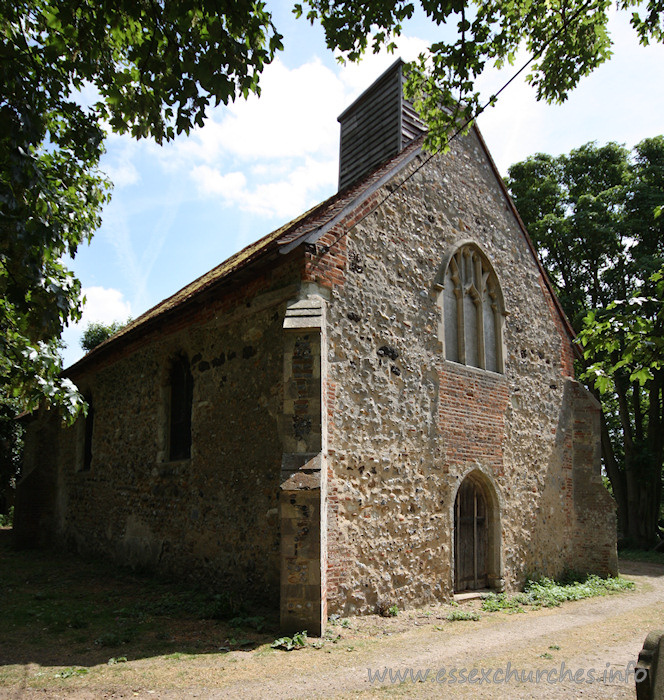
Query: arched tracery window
<point>472,310</point>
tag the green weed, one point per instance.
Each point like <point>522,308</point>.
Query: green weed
<point>462,615</point>
<point>239,642</point>
<point>255,622</point>
<point>7,519</point>
<point>547,593</point>
<point>72,672</point>
<point>119,660</point>
<point>297,641</point>
<point>494,602</point>
<point>336,620</point>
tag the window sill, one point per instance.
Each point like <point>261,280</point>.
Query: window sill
<point>171,467</point>
<point>471,369</point>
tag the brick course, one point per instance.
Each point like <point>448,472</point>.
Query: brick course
<point>392,426</point>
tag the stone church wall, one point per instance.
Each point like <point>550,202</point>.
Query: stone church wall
<point>214,517</point>
<point>406,426</point>
<point>324,378</point>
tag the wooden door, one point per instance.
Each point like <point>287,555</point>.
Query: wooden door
<point>471,538</point>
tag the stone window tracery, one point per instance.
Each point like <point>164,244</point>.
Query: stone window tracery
<point>472,310</point>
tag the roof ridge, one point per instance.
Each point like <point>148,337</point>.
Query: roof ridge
<point>291,234</point>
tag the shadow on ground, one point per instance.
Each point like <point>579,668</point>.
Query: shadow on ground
<point>57,609</point>
<point>640,568</point>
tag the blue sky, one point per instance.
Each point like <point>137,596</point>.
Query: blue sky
<point>180,209</point>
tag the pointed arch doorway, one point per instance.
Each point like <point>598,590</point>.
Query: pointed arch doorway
<point>475,532</point>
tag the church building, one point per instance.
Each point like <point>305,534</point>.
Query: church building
<point>374,404</point>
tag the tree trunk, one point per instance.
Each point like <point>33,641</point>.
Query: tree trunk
<point>643,468</point>
<point>616,476</point>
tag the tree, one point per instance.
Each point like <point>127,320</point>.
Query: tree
<point>566,40</point>
<point>97,333</point>
<point>624,344</point>
<point>11,451</point>
<point>591,215</point>
<point>573,206</point>
<point>155,66</point>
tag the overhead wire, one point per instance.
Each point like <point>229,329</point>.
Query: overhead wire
<point>469,120</point>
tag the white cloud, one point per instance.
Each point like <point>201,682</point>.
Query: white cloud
<point>513,127</point>
<point>283,198</point>
<point>102,305</point>
<point>616,102</point>
<point>276,155</point>
<point>357,77</point>
<point>294,116</point>
<point>273,155</point>
<point>120,166</point>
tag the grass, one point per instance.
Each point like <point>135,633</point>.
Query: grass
<point>642,555</point>
<point>547,593</point>
<point>63,611</point>
<point>462,615</point>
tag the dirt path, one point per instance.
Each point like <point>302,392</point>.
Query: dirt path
<point>603,634</point>
<point>596,637</point>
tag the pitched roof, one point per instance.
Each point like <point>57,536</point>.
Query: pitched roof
<point>309,226</point>
<point>282,240</point>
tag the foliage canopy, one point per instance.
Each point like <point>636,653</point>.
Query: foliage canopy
<point>591,214</point>
<point>566,40</point>
<point>153,66</point>
<point>97,333</point>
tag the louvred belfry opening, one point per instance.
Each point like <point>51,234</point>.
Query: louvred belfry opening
<point>377,126</point>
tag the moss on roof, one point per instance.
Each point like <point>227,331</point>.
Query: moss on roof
<point>294,231</point>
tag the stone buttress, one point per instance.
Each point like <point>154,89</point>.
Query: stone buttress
<point>303,472</point>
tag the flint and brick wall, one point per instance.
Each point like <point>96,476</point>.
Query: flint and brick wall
<point>366,440</point>
<point>214,517</point>
<point>406,426</point>
<point>593,511</point>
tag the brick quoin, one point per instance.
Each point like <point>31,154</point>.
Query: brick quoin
<point>327,265</point>
<point>335,567</point>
